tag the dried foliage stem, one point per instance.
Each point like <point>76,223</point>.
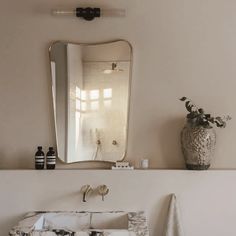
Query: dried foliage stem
<point>197,117</point>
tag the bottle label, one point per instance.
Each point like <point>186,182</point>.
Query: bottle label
<point>51,160</point>
<point>39,159</point>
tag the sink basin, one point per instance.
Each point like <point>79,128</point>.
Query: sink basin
<point>82,224</point>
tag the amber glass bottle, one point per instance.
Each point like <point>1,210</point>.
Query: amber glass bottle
<point>51,159</point>
<point>39,159</point>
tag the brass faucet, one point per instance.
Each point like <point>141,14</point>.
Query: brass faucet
<point>103,190</point>
<point>86,189</point>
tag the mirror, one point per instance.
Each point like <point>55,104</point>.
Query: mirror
<point>91,90</point>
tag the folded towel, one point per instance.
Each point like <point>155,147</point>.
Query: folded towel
<point>173,225</point>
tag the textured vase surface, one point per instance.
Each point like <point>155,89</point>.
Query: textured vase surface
<point>198,145</point>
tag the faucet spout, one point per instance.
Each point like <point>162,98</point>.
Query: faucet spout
<point>86,189</point>
<point>84,197</point>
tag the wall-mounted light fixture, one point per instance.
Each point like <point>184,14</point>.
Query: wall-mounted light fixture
<point>112,69</point>
<point>89,13</point>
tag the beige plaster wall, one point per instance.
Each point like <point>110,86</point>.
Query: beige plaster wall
<point>206,199</point>
<point>180,48</point>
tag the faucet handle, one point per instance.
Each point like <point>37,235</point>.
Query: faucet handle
<point>86,189</point>
<point>103,190</point>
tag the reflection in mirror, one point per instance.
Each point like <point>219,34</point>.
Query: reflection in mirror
<point>90,85</point>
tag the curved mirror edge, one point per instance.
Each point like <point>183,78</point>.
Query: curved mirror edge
<point>63,143</point>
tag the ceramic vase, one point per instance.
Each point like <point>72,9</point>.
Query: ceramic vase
<point>198,145</point>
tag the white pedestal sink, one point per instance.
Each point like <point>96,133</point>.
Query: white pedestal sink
<point>82,224</point>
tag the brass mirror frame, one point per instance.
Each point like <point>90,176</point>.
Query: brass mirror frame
<point>129,96</point>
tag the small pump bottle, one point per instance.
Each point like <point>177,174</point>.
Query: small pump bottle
<point>51,159</point>
<point>39,159</point>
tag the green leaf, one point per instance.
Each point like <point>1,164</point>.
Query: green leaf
<point>228,117</point>
<point>188,107</point>
<point>219,119</point>
<point>201,111</point>
<point>218,124</point>
<point>183,99</point>
<point>212,120</point>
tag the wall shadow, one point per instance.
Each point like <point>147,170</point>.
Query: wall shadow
<point>170,146</point>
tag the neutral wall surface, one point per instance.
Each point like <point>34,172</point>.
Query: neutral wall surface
<point>207,204</point>
<point>184,47</point>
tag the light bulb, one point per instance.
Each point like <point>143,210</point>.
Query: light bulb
<point>64,12</point>
<point>102,12</point>
<point>113,12</point>
<point>107,71</point>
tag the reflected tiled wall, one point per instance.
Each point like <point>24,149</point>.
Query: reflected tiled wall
<point>104,108</point>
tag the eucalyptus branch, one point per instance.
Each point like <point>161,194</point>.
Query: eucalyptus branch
<point>197,116</point>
